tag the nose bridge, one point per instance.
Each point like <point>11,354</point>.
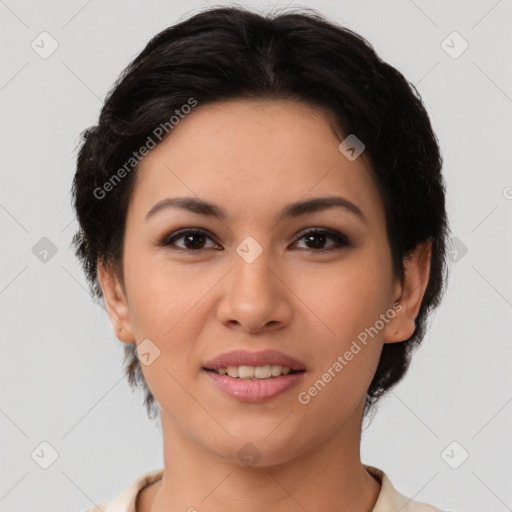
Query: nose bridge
<point>252,296</point>
<point>252,277</point>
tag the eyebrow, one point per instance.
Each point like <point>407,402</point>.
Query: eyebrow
<point>201,207</point>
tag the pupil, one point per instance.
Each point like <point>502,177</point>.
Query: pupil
<point>190,237</point>
<point>316,235</point>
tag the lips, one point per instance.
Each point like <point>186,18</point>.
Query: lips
<point>256,390</point>
<point>246,358</point>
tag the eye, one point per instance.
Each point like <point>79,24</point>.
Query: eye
<point>194,239</point>
<point>317,237</point>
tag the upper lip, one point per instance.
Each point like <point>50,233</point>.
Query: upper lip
<point>246,358</point>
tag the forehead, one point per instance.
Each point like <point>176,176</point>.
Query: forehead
<point>253,155</point>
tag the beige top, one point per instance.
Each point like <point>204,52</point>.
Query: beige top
<point>389,499</point>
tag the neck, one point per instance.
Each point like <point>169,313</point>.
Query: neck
<point>329,477</point>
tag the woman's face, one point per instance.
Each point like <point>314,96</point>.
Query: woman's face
<point>255,278</point>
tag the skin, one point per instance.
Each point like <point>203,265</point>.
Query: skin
<point>252,158</point>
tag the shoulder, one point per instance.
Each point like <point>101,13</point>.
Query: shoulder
<point>126,500</point>
<point>390,500</point>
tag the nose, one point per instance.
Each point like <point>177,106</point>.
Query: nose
<point>254,296</point>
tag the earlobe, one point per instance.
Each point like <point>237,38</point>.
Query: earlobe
<point>115,303</point>
<point>409,294</point>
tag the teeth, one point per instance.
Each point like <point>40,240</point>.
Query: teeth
<point>254,372</point>
<point>263,372</point>
<point>232,371</point>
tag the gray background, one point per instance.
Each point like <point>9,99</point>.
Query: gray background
<point>60,365</point>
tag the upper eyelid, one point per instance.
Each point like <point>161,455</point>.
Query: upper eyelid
<point>185,231</point>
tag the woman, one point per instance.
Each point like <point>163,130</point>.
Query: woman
<point>262,211</point>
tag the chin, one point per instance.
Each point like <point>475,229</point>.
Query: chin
<point>259,450</point>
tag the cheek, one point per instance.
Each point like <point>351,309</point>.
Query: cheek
<point>348,302</point>
<point>160,294</point>
<point>346,345</point>
<point>347,298</point>
<point>165,307</point>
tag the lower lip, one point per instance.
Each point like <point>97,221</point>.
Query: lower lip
<point>254,390</point>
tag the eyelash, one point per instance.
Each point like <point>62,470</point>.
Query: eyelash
<point>341,239</point>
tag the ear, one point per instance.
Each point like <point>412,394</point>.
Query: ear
<point>409,294</point>
<point>115,302</point>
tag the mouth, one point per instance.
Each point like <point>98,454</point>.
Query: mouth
<point>254,376</point>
